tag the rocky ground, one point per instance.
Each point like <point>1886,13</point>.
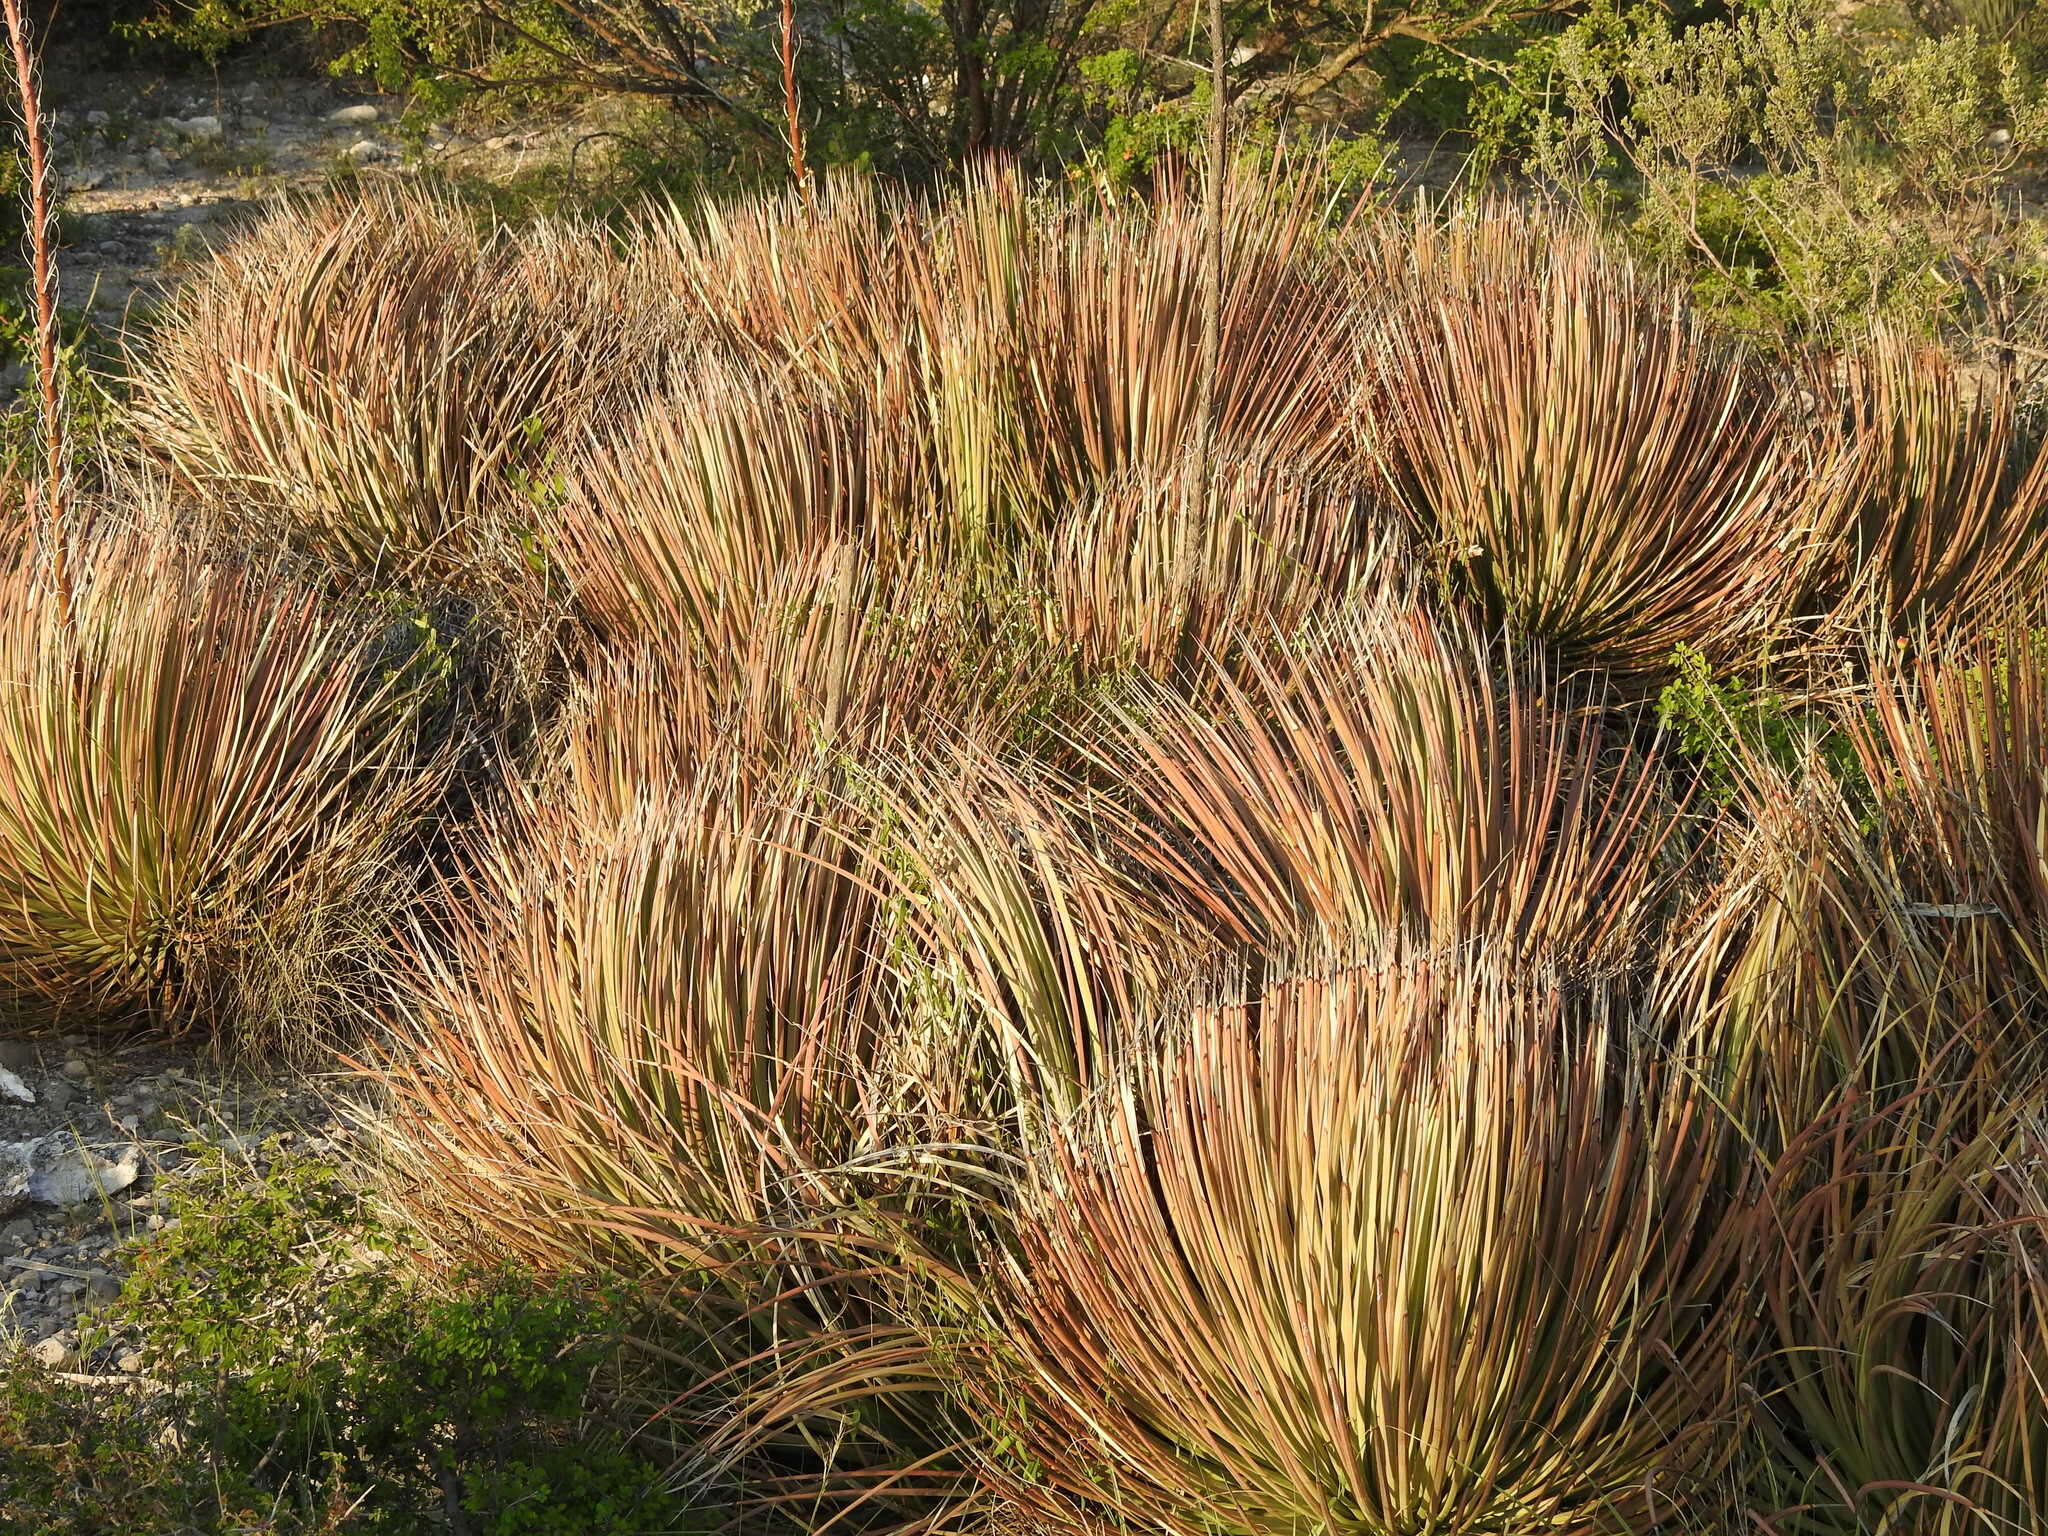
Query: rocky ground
<point>154,170</point>
<point>88,1140</point>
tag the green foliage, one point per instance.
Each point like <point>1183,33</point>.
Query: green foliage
<point>1473,94</point>
<point>1725,725</point>
<point>907,88</point>
<point>1133,142</point>
<point>2020,23</point>
<point>424,655</point>
<point>314,1377</point>
<point>1117,71</point>
<point>1809,179</point>
<point>417,46</point>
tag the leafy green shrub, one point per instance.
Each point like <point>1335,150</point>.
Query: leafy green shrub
<point>1720,722</point>
<point>1808,179</point>
<point>90,1462</point>
<point>308,1375</point>
<point>907,89</point>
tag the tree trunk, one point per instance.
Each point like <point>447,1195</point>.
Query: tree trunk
<point>968,45</point>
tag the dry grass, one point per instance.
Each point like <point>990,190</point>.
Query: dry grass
<point>1389,774</point>
<point>1929,505</point>
<point>383,385</point>
<point>1901,1353</point>
<point>1576,449</point>
<point>654,1030</point>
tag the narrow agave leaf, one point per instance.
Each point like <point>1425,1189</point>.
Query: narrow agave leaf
<point>1019,350</point>
<point>679,532</point>
<point>814,293</point>
<point>653,1042</point>
<point>1773,950</point>
<point>1891,903</point>
<point>197,763</point>
<point>661,1027</point>
<point>959,370</point>
<point>1870,939</point>
<point>679,980</point>
<point>1927,507</point>
<point>1383,776</point>
<point>1110,337</point>
<point>1396,1246</point>
<point>379,383</point>
<point>1900,1381</point>
<point>910,957</point>
<point>1812,961</point>
<point>1025,924</point>
<point>1167,574</point>
<point>1567,438</point>
<point>837,665</point>
<point>1955,746</point>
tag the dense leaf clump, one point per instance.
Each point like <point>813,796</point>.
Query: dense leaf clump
<point>1473,960</point>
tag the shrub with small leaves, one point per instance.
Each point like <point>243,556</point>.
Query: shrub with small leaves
<point>310,1375</point>
<point>1722,723</point>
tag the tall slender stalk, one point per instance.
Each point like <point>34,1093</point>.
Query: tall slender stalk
<point>797,168</point>
<point>43,271</point>
<point>1212,284</point>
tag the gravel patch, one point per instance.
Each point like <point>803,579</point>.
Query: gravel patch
<point>84,1160</point>
<point>154,170</point>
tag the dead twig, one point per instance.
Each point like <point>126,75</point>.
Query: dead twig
<point>43,274</point>
<point>791,103</point>
<point>1212,234</point>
